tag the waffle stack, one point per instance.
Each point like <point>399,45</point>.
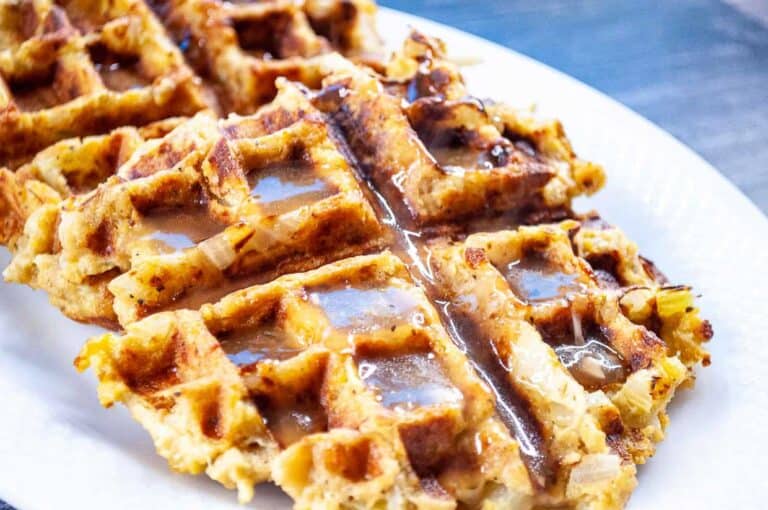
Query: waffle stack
<point>365,284</point>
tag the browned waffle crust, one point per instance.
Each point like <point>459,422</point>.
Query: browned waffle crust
<point>241,47</point>
<point>74,67</point>
<point>80,67</point>
<point>371,289</point>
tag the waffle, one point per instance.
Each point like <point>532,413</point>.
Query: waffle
<point>647,298</point>
<point>585,383</point>
<point>209,206</point>
<point>52,186</point>
<point>75,68</point>
<point>369,288</point>
<point>242,47</point>
<point>447,156</point>
<point>549,303</point>
<point>353,387</point>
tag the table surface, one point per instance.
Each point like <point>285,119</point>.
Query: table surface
<point>697,68</point>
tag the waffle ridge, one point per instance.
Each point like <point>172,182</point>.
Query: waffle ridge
<point>448,155</point>
<point>242,47</point>
<point>364,284</point>
<point>122,243</point>
<point>76,68</point>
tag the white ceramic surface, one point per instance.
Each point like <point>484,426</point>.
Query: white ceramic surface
<point>60,449</point>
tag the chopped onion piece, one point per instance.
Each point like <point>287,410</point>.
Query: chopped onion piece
<point>595,468</point>
<point>578,335</point>
<point>218,251</point>
<point>673,301</point>
<point>635,395</point>
<point>592,367</point>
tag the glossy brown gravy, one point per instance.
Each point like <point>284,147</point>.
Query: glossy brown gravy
<point>286,186</point>
<point>197,297</point>
<point>457,160</point>
<point>179,229</point>
<point>365,308</point>
<point>534,279</point>
<point>512,409</point>
<point>290,423</point>
<point>263,342</point>
<point>586,353</point>
<point>408,380</point>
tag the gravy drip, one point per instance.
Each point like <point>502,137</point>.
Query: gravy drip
<point>289,424</point>
<point>584,348</point>
<point>408,380</point>
<point>179,229</point>
<point>359,309</point>
<point>199,296</point>
<point>534,279</point>
<point>284,187</point>
<point>252,345</point>
<point>410,245</point>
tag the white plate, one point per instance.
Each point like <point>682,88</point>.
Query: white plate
<point>60,449</point>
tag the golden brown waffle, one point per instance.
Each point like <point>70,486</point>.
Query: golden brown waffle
<point>209,206</point>
<point>572,437</point>
<point>241,47</point>
<point>546,302</point>
<point>447,156</point>
<point>647,298</point>
<point>73,68</point>
<point>479,363</point>
<point>341,385</point>
<point>31,203</point>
